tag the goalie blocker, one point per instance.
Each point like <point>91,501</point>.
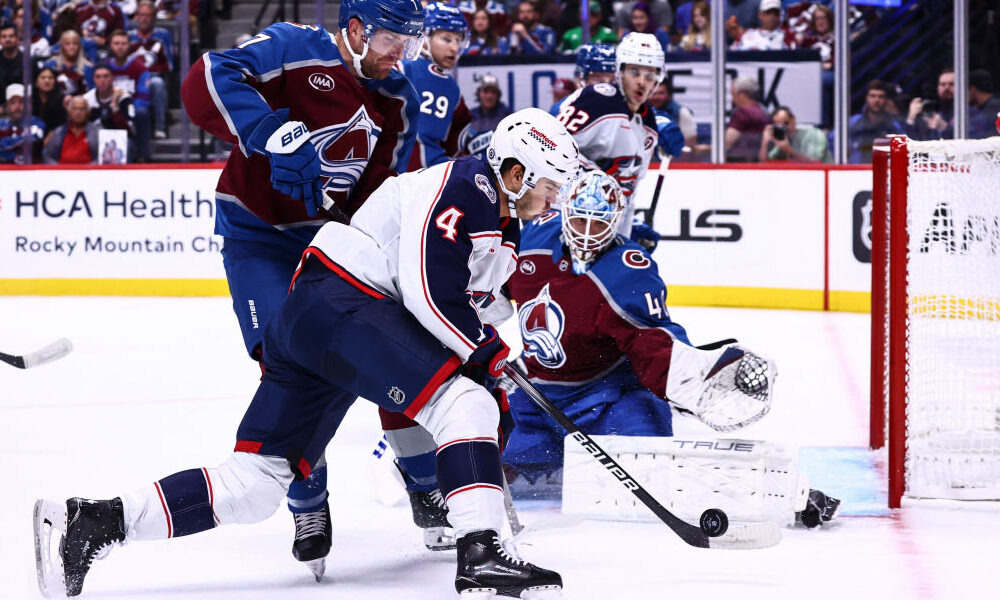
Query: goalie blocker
<point>751,480</point>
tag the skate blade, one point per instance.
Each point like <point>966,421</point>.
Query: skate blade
<point>542,592</point>
<point>318,568</point>
<point>49,518</point>
<point>439,538</point>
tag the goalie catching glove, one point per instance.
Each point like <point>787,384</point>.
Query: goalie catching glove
<point>726,389</point>
<point>295,166</point>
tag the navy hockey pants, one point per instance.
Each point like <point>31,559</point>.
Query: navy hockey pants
<point>332,340</point>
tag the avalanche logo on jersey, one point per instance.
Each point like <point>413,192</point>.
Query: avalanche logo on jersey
<point>542,322</point>
<point>344,150</point>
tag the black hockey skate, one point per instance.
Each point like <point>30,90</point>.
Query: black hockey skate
<point>487,570</point>
<point>820,508</point>
<point>431,514</point>
<point>92,528</point>
<point>313,539</point>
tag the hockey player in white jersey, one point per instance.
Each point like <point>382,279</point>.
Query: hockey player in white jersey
<point>615,128</point>
<point>388,308</point>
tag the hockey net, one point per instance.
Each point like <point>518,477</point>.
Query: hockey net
<point>936,317</point>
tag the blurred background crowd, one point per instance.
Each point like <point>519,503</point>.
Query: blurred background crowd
<point>101,64</point>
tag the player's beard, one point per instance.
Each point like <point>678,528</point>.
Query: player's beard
<point>376,66</point>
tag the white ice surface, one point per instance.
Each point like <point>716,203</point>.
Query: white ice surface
<point>155,386</point>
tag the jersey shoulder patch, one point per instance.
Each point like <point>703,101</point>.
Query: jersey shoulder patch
<point>600,104</point>
<point>630,277</point>
<point>483,183</point>
<point>469,189</point>
<point>605,89</point>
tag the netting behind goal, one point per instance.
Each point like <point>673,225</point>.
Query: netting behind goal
<point>942,348</point>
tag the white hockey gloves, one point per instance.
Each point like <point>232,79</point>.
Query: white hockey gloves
<point>726,389</point>
<point>295,166</point>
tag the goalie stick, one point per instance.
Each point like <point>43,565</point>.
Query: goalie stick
<point>53,351</point>
<point>713,530</point>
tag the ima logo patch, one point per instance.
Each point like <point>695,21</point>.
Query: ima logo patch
<point>344,150</point>
<point>527,267</point>
<point>542,323</point>
<point>484,184</point>
<point>397,395</point>
<point>321,82</point>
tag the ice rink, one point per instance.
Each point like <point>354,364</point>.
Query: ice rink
<point>158,385</point>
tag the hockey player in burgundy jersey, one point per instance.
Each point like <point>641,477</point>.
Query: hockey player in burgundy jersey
<point>389,308</point>
<point>599,341</point>
<point>443,113</point>
<point>315,117</point>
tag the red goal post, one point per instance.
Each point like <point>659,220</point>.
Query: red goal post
<point>935,329</point>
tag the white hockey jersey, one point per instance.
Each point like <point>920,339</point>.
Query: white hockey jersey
<point>433,240</point>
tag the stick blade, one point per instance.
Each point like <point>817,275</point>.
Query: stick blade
<point>53,351</point>
<point>748,536</point>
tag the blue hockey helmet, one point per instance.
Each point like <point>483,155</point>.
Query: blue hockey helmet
<point>389,27</point>
<point>591,208</point>
<point>595,58</point>
<point>439,16</point>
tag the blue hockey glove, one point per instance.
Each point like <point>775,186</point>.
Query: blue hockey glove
<point>506,426</point>
<point>671,138</point>
<point>295,166</point>
<point>486,363</point>
<point>645,235</point>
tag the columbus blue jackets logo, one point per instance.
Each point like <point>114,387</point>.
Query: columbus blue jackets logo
<point>344,150</point>
<point>484,184</point>
<point>542,323</point>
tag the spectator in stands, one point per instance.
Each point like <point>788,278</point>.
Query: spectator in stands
<point>483,40</point>
<point>47,100</point>
<point>660,12</point>
<point>932,119</point>
<point>873,122</point>
<point>785,139</point>
<point>819,36</point>
<point>662,101</point>
<point>771,35</point>
<point>561,88</point>
<point>528,35</point>
<point>12,134</point>
<point>485,117</point>
<point>572,39</point>
<point>642,21</point>
<point>42,21</point>
<point>495,12</point>
<point>11,61</point>
<point>156,44</point>
<point>984,106</point>
<point>74,73</point>
<point>110,107</point>
<point>96,19</point>
<point>74,142</point>
<point>747,122</point>
<point>699,33</point>
<point>132,76</point>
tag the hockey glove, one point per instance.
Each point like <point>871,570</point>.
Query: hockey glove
<point>295,166</point>
<point>506,426</point>
<point>486,363</point>
<point>671,138</point>
<point>644,235</point>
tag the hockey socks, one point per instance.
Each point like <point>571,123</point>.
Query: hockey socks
<point>186,499</point>
<point>469,476</point>
<point>414,448</point>
<point>310,494</point>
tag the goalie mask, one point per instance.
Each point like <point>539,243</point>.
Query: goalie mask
<point>591,208</point>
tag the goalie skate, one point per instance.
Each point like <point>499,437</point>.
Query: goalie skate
<point>49,520</point>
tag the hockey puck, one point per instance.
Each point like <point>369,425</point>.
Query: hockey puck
<point>714,522</point>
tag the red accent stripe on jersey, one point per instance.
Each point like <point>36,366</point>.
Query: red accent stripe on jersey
<point>423,266</point>
<point>465,440</point>
<point>305,468</point>
<point>248,446</point>
<point>432,386</point>
<point>469,488</point>
<point>163,503</point>
<point>340,271</point>
<point>485,234</point>
<point>211,494</point>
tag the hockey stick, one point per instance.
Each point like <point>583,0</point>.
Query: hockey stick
<point>53,351</point>
<point>508,503</point>
<point>713,530</point>
<point>651,211</point>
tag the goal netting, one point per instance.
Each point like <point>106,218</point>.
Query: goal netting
<point>936,316</point>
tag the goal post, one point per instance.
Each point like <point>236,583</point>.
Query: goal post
<point>935,386</point>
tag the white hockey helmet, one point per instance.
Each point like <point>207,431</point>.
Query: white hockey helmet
<point>591,208</point>
<point>540,143</point>
<point>641,49</point>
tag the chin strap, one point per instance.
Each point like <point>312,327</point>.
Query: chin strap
<point>355,57</point>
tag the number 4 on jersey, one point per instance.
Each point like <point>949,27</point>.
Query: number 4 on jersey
<point>447,222</point>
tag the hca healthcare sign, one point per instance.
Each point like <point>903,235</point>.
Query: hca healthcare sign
<point>113,223</point>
